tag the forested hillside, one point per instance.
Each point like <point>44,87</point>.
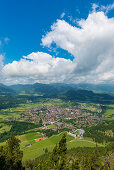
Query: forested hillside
<point>60,158</point>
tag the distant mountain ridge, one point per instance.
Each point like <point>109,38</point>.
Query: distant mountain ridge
<point>38,87</point>
<point>72,92</point>
<point>96,87</point>
<point>54,88</point>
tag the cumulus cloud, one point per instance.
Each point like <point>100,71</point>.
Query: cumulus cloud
<point>91,42</point>
<point>39,67</point>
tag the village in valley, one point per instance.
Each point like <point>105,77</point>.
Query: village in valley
<point>64,117</point>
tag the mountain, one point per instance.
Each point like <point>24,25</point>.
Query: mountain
<point>95,87</point>
<point>56,88</point>
<point>5,90</point>
<point>41,89</point>
<point>78,92</point>
<point>88,96</point>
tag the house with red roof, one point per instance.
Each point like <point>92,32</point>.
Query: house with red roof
<point>39,139</point>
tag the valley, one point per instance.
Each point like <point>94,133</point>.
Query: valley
<point>39,121</point>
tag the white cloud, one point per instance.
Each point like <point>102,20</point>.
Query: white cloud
<point>107,8</point>
<point>62,15</point>
<point>40,67</point>
<point>94,7</point>
<point>91,43</point>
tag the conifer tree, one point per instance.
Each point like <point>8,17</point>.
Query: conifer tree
<point>2,159</point>
<point>62,145</point>
<point>14,154</point>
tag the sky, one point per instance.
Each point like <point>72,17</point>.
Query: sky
<point>56,41</point>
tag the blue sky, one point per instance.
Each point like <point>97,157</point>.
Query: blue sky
<point>25,22</point>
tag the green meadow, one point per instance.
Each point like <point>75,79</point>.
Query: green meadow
<point>4,128</point>
<point>52,126</point>
<point>38,148</point>
<point>89,106</point>
<point>109,112</point>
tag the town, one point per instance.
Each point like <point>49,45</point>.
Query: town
<point>62,117</point>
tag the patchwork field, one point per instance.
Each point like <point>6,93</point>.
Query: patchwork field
<point>36,149</point>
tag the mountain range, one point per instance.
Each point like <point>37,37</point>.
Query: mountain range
<point>80,92</point>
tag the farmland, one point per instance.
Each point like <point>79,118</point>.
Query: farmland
<point>38,148</point>
<point>12,122</point>
<point>109,112</point>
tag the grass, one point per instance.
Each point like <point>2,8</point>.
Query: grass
<point>38,148</point>
<point>28,139</point>
<point>89,106</point>
<point>4,128</point>
<point>52,126</point>
<point>84,142</point>
<point>109,113</point>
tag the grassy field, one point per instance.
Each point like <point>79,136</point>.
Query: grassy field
<point>52,126</point>
<point>38,148</point>
<point>4,128</point>
<point>15,112</point>
<point>89,106</point>
<point>109,113</point>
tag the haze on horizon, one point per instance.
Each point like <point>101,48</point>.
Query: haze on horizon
<point>73,50</point>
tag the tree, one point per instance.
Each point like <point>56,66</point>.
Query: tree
<point>55,156</point>
<point>14,154</point>
<point>62,145</point>
<point>62,152</point>
<point>2,159</point>
<point>75,164</point>
<point>96,160</point>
